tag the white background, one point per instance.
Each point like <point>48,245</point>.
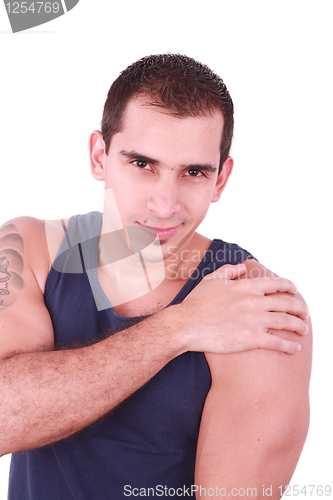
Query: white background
<point>275,58</point>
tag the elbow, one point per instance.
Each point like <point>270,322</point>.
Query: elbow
<point>3,452</point>
<point>5,447</point>
<point>6,441</point>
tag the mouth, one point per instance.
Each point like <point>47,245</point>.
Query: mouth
<point>162,232</point>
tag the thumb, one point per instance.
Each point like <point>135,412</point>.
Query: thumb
<point>227,272</point>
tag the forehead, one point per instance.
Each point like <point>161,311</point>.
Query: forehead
<point>152,129</point>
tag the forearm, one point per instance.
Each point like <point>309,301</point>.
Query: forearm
<point>48,396</point>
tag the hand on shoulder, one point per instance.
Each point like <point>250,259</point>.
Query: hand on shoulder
<point>246,307</point>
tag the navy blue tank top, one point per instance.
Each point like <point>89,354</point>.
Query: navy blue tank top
<point>148,441</point>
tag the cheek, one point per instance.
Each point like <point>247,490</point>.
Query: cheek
<point>197,204</point>
<point>199,195</point>
<point>129,199</point>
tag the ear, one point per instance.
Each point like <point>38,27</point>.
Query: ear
<point>97,155</point>
<point>222,178</point>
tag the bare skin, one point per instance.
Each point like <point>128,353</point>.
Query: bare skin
<point>157,165</point>
<point>262,398</point>
<point>31,371</point>
<point>11,249</point>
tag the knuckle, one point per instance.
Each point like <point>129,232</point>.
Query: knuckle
<point>250,325</point>
<point>249,303</point>
<point>282,320</point>
<point>287,302</point>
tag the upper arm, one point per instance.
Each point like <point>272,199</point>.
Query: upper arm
<point>25,324</point>
<point>258,402</point>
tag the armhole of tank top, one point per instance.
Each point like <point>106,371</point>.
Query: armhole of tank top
<point>82,226</point>
<point>51,277</point>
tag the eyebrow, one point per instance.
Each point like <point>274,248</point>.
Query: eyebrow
<point>133,155</point>
<point>205,168</point>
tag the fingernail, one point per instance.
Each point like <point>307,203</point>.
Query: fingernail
<point>298,348</point>
<point>306,328</point>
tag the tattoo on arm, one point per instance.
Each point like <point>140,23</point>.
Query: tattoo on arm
<point>11,265</point>
<point>4,278</point>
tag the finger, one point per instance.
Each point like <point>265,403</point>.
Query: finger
<point>228,272</point>
<point>285,303</point>
<point>284,321</point>
<point>275,343</point>
<point>271,284</point>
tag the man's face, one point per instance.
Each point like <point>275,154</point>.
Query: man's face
<point>163,171</point>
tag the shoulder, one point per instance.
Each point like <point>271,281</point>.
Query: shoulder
<point>257,410</point>
<point>264,389</point>
<point>25,323</point>
<point>25,234</point>
<point>254,270</point>
<point>31,242</point>
<point>263,369</point>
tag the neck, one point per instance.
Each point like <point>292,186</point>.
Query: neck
<point>183,260</point>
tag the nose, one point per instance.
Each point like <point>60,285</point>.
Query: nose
<point>164,200</point>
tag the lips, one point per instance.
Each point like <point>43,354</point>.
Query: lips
<point>162,232</point>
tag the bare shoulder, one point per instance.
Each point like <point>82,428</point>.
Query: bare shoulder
<point>23,246</point>
<point>256,414</point>
<point>25,261</point>
<point>260,368</point>
<point>31,242</point>
<point>20,247</point>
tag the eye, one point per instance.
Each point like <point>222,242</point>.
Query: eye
<point>194,173</point>
<point>141,164</point>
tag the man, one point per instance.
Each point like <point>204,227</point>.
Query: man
<point>205,365</point>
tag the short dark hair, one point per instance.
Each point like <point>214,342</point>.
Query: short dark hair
<point>176,83</point>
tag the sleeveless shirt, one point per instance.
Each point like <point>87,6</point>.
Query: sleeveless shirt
<point>149,441</point>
